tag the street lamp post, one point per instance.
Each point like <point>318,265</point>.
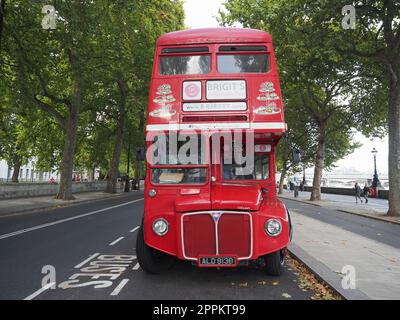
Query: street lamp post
<point>375,181</point>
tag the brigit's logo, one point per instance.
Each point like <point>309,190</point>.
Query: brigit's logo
<point>192,90</point>
<point>216,215</point>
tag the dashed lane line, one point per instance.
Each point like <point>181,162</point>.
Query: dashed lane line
<point>12,234</point>
<point>120,286</point>
<point>136,267</point>
<point>134,229</point>
<point>116,241</point>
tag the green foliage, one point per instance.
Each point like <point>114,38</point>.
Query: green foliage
<point>95,45</point>
<point>327,95</point>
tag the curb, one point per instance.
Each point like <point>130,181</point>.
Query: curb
<point>368,216</point>
<point>325,275</point>
<point>343,210</point>
<point>59,206</point>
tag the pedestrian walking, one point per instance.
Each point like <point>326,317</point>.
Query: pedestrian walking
<point>357,192</point>
<point>366,193</point>
<point>291,184</point>
<point>296,185</point>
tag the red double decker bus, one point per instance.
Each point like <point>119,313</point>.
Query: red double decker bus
<point>214,120</point>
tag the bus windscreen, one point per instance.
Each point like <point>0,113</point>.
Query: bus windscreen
<point>243,63</point>
<point>185,64</point>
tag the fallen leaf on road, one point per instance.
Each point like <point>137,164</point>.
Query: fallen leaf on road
<point>308,282</point>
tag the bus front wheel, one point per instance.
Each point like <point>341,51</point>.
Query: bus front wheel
<point>274,263</point>
<point>151,260</point>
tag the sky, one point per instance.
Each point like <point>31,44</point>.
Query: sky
<point>202,14</point>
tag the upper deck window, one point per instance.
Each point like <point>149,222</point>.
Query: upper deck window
<point>185,64</point>
<point>243,63</point>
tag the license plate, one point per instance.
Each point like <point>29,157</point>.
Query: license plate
<point>217,261</point>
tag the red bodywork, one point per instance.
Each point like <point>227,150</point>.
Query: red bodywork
<point>189,208</point>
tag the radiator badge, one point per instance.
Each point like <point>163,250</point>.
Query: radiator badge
<point>216,215</point>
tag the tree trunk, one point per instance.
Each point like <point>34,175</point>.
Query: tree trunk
<point>2,15</point>
<point>91,174</point>
<point>71,131</point>
<point>15,175</point>
<point>114,165</point>
<point>319,162</point>
<point>394,145</point>
<point>282,179</point>
<point>67,167</point>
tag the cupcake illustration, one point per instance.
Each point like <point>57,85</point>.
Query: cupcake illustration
<point>267,94</point>
<point>163,98</point>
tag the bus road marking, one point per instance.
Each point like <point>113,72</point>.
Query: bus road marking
<point>120,286</point>
<point>78,266</point>
<point>102,271</point>
<point>41,290</point>
<point>116,241</point>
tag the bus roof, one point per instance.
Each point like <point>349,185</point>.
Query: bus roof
<point>214,35</point>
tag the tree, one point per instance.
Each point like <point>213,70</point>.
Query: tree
<point>326,86</point>
<point>51,68</point>
<point>128,63</point>
<point>2,15</point>
<point>375,40</point>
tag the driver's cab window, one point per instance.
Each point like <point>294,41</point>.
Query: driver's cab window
<point>234,171</point>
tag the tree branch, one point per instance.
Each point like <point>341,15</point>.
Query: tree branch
<point>52,111</point>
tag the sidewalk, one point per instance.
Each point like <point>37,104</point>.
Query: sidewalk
<point>375,208</point>
<point>13,206</point>
<point>329,248</point>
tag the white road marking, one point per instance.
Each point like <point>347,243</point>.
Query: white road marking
<point>134,229</point>
<point>12,234</point>
<point>136,267</point>
<point>41,290</point>
<point>116,241</point>
<point>118,289</point>
<point>78,266</point>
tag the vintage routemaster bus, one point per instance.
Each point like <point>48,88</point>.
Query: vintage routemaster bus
<point>214,120</point>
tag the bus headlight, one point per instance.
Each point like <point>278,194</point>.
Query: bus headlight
<point>273,227</point>
<point>160,227</point>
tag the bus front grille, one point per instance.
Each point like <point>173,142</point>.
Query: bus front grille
<point>217,233</point>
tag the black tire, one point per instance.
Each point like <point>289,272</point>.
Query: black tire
<point>151,260</point>
<point>274,263</point>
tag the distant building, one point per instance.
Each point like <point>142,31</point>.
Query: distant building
<point>28,173</point>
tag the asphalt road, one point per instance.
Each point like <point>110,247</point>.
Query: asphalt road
<point>70,249</point>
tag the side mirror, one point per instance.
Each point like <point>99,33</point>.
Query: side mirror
<point>296,156</point>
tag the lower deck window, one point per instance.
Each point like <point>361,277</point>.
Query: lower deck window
<point>260,170</point>
<point>179,175</point>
